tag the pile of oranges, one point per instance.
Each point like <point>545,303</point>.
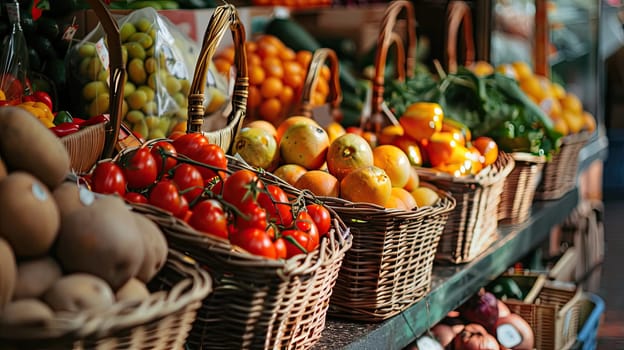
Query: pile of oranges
<point>276,77</point>
<point>563,107</point>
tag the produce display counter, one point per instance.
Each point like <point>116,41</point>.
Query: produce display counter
<point>452,285</point>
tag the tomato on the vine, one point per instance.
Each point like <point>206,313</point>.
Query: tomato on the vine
<point>241,188</point>
<point>165,195</point>
<point>108,178</point>
<point>253,216</point>
<point>184,208</point>
<point>321,217</point>
<point>163,152</point>
<point>255,241</point>
<point>139,168</point>
<point>208,216</point>
<point>189,181</point>
<point>134,197</point>
<point>275,201</point>
<point>305,223</point>
<point>188,144</point>
<point>215,181</point>
<point>296,241</point>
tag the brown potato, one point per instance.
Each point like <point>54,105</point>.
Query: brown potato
<point>35,276</point>
<point>24,312</point>
<point>8,272</point>
<point>79,291</point>
<point>155,246</point>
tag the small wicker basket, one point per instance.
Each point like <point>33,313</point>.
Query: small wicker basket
<point>519,189</point>
<point>161,321</point>
<point>552,309</point>
<point>88,145</point>
<point>560,173</point>
<point>458,14</point>
<point>472,226</point>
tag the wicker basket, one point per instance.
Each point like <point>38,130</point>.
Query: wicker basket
<point>559,175</point>
<point>88,145</point>
<point>258,303</point>
<point>519,189</point>
<point>224,17</point>
<point>552,310</point>
<point>161,321</point>
<point>458,13</point>
<point>472,226</point>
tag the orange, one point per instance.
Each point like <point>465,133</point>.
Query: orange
<point>389,133</point>
<point>558,91</point>
<point>572,103</point>
<point>394,162</point>
<point>561,126</point>
<point>228,54</point>
<point>293,80</point>
<point>347,153</point>
<point>290,172</point>
<point>476,158</point>
<point>254,59</point>
<point>482,68</point>
<point>405,196</point>
<point>322,86</point>
<point>413,182</point>
<point>253,97</point>
<point>440,147</point>
<point>488,149</point>
<point>272,40</point>
<point>304,57</point>
<point>271,87</point>
<point>421,119</point>
<point>589,122</point>
<point>334,131</point>
<point>292,67</point>
<point>425,196</point>
<point>284,125</point>
<point>266,50</point>
<point>263,124</point>
<point>305,144</point>
<point>551,107</point>
<point>410,148</point>
<point>319,182</point>
<point>273,67</point>
<point>222,65</point>
<point>368,184</point>
<point>395,202</point>
<point>256,75</point>
<point>532,86</point>
<point>271,110</point>
<point>287,96</point>
<point>250,47</point>
<point>325,73</point>
<point>287,54</point>
<point>573,120</point>
<point>523,70</point>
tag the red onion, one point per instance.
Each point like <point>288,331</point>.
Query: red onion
<point>482,309</point>
<point>475,337</point>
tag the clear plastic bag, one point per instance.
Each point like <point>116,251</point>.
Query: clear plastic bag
<point>160,62</point>
<point>14,82</point>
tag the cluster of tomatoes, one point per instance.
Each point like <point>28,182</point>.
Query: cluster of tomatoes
<point>189,177</point>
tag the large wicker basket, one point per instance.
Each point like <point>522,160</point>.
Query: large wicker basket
<point>560,173</point>
<point>519,189</point>
<point>259,303</point>
<point>472,226</point>
<point>552,309</point>
<point>91,143</point>
<point>161,321</point>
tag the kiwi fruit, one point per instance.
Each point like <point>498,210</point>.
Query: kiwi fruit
<point>8,272</point>
<point>35,276</point>
<point>26,312</point>
<point>70,196</point>
<point>26,144</point>
<point>78,292</point>
<point>133,290</point>
<point>101,239</point>
<point>3,170</point>
<point>29,219</point>
<point>155,246</point>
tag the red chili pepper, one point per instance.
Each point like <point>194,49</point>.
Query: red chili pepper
<point>102,118</point>
<point>44,97</point>
<point>79,121</point>
<point>65,129</point>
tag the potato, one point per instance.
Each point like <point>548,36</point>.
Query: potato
<point>78,292</point>
<point>155,246</point>
<point>31,312</point>
<point>70,196</point>
<point>133,290</point>
<point>8,272</point>
<point>26,144</point>
<point>35,276</point>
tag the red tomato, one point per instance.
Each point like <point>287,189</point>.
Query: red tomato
<point>161,151</point>
<point>212,155</point>
<point>209,217</point>
<point>296,242</point>
<point>189,181</point>
<point>214,182</point>
<point>139,168</point>
<point>305,223</point>
<point>134,197</point>
<point>275,201</point>
<point>255,241</point>
<point>165,195</point>
<point>108,178</point>
<point>188,144</point>
<point>184,208</point>
<point>241,188</point>
<point>280,248</point>
<point>253,216</point>
<point>321,217</point>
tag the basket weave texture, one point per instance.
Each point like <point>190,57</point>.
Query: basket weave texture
<point>161,321</point>
<point>389,265</point>
<point>472,225</point>
<point>259,303</point>
<point>553,316</point>
<point>84,147</point>
<point>559,175</point>
<point>519,189</point>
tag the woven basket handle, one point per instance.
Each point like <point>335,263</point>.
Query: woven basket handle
<point>335,93</point>
<point>458,12</point>
<point>117,75</point>
<point>223,17</point>
<point>406,60</point>
<point>540,49</point>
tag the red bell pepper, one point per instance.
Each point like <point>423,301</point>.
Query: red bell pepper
<point>65,129</point>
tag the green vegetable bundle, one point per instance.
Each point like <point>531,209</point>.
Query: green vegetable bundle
<point>492,105</point>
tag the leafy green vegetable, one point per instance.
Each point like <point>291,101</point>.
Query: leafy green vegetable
<point>493,106</point>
